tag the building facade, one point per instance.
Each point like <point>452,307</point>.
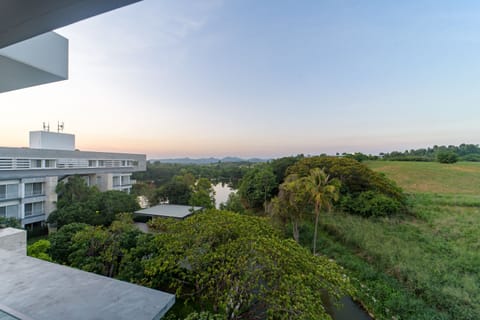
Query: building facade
<point>29,176</point>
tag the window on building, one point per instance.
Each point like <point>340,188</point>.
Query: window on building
<point>33,189</point>
<point>49,163</point>
<point>101,163</point>
<point>8,191</point>
<point>36,163</point>
<point>99,180</point>
<point>92,163</point>
<point>33,209</point>
<point>125,180</point>
<point>9,211</point>
<point>116,181</point>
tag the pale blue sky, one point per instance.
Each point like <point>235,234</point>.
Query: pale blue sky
<point>263,78</point>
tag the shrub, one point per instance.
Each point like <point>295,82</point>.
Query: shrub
<point>447,157</point>
<point>40,250</point>
<point>370,204</point>
<point>9,222</point>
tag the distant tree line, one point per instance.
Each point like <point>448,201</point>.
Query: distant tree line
<point>443,154</point>
<point>160,173</point>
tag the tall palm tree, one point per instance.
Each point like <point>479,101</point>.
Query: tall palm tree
<point>323,192</point>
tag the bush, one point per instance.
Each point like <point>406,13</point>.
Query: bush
<point>40,250</point>
<point>9,222</point>
<point>447,157</point>
<point>474,157</point>
<point>370,204</point>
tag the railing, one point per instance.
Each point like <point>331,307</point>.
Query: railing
<point>64,163</point>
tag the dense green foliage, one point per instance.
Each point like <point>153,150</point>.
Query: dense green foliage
<point>257,187</point>
<point>354,176</point>
<point>292,205</point>
<point>203,194</point>
<point>62,241</point>
<point>465,152</point>
<point>237,266</point>
<point>9,222</point>
<point>100,250</point>
<point>40,249</point>
<point>175,191</point>
<point>233,203</point>
<point>371,204</point>
<point>279,166</point>
<point>80,203</point>
<point>160,173</point>
<point>447,157</point>
<point>356,179</point>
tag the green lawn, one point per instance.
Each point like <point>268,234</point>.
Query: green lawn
<point>433,255</point>
<point>432,177</point>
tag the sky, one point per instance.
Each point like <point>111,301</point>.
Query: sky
<point>270,78</point>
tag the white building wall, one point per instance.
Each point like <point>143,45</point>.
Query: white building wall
<point>52,140</point>
<point>50,195</point>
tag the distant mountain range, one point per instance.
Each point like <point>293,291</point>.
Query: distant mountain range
<point>208,160</point>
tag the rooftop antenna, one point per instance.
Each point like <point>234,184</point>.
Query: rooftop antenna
<point>46,127</point>
<point>60,126</point>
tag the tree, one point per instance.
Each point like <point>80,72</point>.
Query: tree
<point>323,191</point>
<point>61,241</point>
<point>233,203</point>
<point>447,157</point>
<point>176,191</point>
<point>257,187</point>
<point>77,202</point>
<point>203,194</point>
<point>100,250</point>
<point>92,207</point>
<point>74,190</point>
<point>113,202</point>
<point>291,204</point>
<point>354,176</point>
<point>144,189</point>
<point>237,266</point>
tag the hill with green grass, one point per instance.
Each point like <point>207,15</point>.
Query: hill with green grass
<point>431,177</point>
<point>423,265</point>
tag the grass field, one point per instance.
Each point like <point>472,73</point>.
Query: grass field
<point>433,255</point>
<point>432,177</point>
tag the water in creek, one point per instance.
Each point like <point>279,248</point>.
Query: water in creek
<point>349,310</point>
<point>221,193</point>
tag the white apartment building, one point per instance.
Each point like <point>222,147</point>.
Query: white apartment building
<point>29,176</point>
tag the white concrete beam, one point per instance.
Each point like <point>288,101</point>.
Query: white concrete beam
<point>39,60</point>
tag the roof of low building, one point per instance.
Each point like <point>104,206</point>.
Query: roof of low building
<point>169,211</point>
<point>47,291</point>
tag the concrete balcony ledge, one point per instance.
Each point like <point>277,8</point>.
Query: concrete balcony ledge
<point>14,240</point>
<point>46,291</point>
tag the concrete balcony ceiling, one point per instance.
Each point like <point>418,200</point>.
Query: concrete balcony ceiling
<point>30,54</point>
<point>39,60</point>
<point>24,19</point>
